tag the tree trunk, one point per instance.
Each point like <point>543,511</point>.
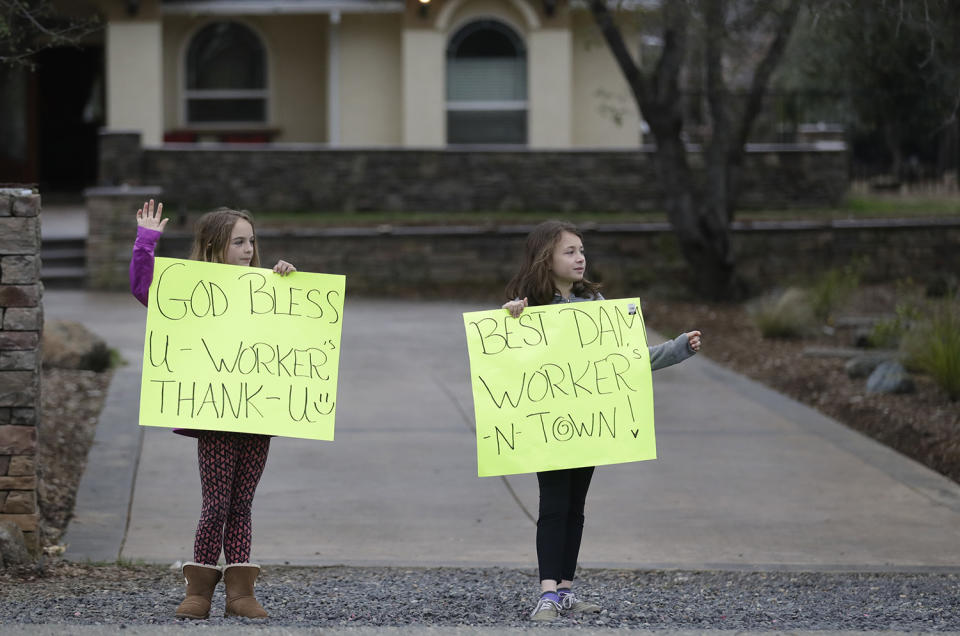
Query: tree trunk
<point>891,136</point>
<point>703,236</point>
<point>697,221</point>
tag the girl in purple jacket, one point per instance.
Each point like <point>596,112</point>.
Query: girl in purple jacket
<point>230,463</point>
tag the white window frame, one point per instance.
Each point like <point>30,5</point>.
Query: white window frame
<point>194,94</point>
<point>491,106</point>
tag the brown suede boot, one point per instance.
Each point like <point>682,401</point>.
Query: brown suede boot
<point>201,580</point>
<point>239,578</point>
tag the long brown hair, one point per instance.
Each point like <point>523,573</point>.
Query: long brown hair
<point>534,281</point>
<point>212,232</point>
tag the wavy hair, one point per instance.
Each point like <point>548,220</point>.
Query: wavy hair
<point>534,280</point>
<point>212,232</point>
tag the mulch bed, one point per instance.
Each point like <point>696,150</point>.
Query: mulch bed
<point>71,403</point>
<point>924,425</point>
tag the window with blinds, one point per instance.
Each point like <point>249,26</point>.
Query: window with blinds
<point>486,85</point>
<point>226,73</point>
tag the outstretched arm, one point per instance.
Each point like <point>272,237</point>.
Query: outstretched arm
<point>150,226</point>
<point>674,351</point>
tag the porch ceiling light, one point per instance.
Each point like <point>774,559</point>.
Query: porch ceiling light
<point>424,4</point>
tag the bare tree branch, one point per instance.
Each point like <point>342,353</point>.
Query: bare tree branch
<point>763,72</point>
<point>675,33</point>
<point>29,26</point>
<point>611,33</point>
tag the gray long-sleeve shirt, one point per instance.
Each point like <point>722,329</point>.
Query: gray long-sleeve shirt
<point>662,355</point>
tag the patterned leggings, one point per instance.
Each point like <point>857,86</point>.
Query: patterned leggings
<point>230,468</point>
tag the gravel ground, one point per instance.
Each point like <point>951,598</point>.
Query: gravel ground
<point>336,597</point>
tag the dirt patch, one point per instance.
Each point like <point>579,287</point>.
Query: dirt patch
<point>924,425</point>
<point>71,403</point>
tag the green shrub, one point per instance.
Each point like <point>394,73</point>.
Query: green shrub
<point>834,288</point>
<point>786,315</point>
<point>888,333</point>
<point>933,345</point>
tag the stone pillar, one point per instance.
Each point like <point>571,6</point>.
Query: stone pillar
<point>21,323</point>
<point>121,158</point>
<point>112,218</point>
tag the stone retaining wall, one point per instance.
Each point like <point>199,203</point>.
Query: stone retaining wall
<point>628,259</point>
<point>21,324</point>
<point>316,178</point>
<point>112,222</point>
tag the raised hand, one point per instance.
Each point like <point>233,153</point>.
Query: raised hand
<point>693,340</point>
<point>150,218</point>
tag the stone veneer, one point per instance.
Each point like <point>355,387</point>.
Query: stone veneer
<point>453,260</point>
<point>630,259</point>
<point>21,324</point>
<point>311,177</point>
<point>112,227</point>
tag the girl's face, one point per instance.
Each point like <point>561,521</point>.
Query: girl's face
<point>569,262</point>
<point>242,240</point>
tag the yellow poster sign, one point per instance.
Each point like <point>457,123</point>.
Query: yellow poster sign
<point>562,386</point>
<point>242,349</point>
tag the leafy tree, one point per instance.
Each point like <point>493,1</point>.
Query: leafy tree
<point>896,62</point>
<point>731,36</point>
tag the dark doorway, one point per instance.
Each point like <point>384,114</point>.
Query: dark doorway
<point>18,129</point>
<point>70,112</point>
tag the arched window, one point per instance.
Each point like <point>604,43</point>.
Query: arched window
<point>486,85</point>
<point>226,72</point>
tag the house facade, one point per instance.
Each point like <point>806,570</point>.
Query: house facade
<point>366,73</point>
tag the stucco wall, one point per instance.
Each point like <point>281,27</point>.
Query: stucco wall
<point>371,93</point>
<point>134,66</point>
<point>296,47</point>
<point>550,66</point>
<point>604,112</point>
<point>482,9</point>
<point>424,119</point>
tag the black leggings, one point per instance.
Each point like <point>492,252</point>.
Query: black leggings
<point>560,526</point>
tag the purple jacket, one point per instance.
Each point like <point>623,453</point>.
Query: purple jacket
<point>141,275</point>
<point>141,265</point>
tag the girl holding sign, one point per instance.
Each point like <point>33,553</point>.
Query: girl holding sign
<point>553,272</point>
<point>230,463</point>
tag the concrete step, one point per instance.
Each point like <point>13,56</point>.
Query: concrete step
<point>63,253</point>
<point>63,261</point>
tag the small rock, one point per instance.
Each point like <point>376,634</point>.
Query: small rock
<point>830,352</point>
<point>890,377</point>
<point>863,366</point>
<point>70,345</point>
<point>13,547</point>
